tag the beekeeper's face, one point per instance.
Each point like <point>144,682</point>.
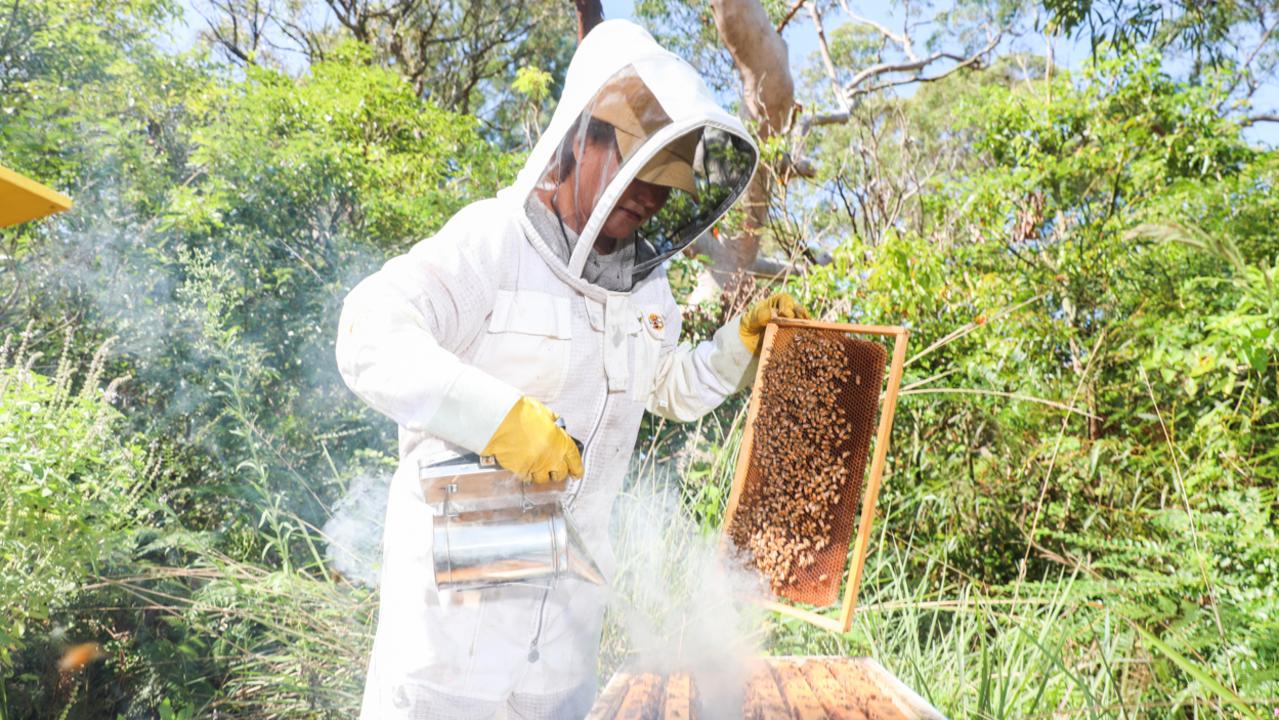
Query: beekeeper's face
<point>599,163</point>
<point>685,181</point>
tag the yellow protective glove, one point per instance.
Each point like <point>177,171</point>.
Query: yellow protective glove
<point>756,318</point>
<point>531,445</point>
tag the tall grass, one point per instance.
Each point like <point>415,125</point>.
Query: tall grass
<point>981,652</point>
<point>283,643</point>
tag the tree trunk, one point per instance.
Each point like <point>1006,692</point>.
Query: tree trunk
<point>589,14</point>
<point>768,93</point>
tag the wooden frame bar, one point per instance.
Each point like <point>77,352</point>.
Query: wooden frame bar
<point>887,408</point>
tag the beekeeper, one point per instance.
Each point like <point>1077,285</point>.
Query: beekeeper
<point>549,300</point>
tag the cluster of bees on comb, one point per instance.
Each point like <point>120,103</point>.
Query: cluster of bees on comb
<point>783,518</point>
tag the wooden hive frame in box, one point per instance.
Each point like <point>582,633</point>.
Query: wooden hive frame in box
<point>836,556</point>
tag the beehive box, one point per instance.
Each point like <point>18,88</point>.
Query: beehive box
<point>779,688</point>
<point>821,406</point>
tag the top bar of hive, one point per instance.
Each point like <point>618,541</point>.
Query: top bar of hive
<point>779,688</point>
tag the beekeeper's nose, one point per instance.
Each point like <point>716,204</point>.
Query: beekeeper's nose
<point>651,197</point>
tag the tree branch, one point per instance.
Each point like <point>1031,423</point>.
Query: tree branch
<point>1261,118</point>
<point>853,91</point>
<point>789,14</point>
<point>902,39</point>
<point>811,121</point>
<point>1265,37</point>
<point>826,58</point>
<point>886,68</point>
<point>232,44</point>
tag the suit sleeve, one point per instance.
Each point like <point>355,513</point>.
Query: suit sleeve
<point>691,381</point>
<point>399,327</point>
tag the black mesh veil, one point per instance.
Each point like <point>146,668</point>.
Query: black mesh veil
<point>722,170</point>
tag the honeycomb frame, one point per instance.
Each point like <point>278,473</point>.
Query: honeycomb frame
<point>839,567</point>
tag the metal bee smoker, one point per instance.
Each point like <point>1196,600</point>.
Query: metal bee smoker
<point>491,528</point>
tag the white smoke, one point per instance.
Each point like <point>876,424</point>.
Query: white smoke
<point>679,602</point>
<point>354,532</point>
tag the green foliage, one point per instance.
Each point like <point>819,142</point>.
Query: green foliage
<point>218,221</point>
<point>1083,395</point>
<point>217,230</point>
<point>254,642</point>
<point>532,82</point>
<point>1204,31</point>
<point>70,492</point>
<point>73,101</point>
<point>350,148</point>
<point>1199,575</point>
<point>1080,507</point>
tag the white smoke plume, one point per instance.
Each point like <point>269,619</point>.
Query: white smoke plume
<point>679,602</point>
<point>354,532</point>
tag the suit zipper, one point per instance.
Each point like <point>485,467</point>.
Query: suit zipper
<point>595,430</point>
<point>533,652</point>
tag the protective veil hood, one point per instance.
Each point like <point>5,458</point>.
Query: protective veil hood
<point>629,110</point>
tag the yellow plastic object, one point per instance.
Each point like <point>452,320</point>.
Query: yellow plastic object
<point>531,445</point>
<point>23,199</point>
<point>756,318</point>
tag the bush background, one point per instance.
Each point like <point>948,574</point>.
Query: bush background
<point>1080,515</point>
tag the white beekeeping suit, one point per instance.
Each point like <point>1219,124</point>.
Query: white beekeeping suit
<point>512,299</point>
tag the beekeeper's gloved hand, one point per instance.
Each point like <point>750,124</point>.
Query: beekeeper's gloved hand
<point>756,318</point>
<point>531,445</point>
